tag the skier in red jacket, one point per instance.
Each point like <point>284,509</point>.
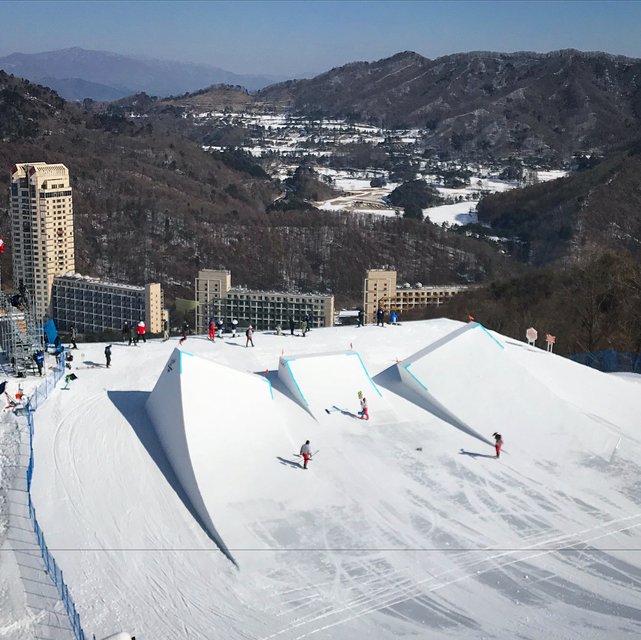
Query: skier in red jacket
<point>212,329</point>
<point>498,443</point>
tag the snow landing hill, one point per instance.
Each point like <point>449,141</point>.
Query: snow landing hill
<point>169,493</point>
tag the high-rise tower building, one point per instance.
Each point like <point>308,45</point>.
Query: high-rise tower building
<point>41,212</point>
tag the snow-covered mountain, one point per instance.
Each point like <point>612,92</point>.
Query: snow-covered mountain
<point>405,525</point>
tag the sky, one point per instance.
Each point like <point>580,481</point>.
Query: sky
<point>302,37</point>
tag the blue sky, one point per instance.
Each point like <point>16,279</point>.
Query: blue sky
<point>289,38</point>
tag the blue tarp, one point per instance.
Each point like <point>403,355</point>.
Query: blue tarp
<point>51,332</point>
<point>610,361</point>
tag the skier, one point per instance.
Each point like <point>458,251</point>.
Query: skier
<point>498,443</point>
<point>234,324</point>
<point>364,412</point>
<point>393,318</point>
<point>292,325</point>
<point>74,335</point>
<point>108,355</point>
<point>361,318</point>
<point>380,317</point>
<point>185,332</point>
<point>39,357</point>
<point>141,330</point>
<point>306,452</point>
<point>212,329</point>
<point>248,334</point>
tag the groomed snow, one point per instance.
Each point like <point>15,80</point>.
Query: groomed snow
<point>403,528</point>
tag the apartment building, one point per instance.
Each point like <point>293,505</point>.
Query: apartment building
<point>215,297</point>
<point>93,305</point>
<point>380,289</point>
<point>41,218</point>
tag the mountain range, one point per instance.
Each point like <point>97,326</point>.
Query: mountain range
<point>521,103</point>
<point>480,104</point>
<point>77,73</point>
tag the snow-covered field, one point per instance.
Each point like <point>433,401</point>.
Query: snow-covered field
<point>403,527</point>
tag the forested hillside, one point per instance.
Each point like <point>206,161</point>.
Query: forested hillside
<point>152,206</point>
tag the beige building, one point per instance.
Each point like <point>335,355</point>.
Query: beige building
<point>41,214</point>
<point>216,298</point>
<point>381,290</point>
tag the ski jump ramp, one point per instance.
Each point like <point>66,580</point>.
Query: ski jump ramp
<point>237,407</point>
<point>331,382</point>
<point>470,379</point>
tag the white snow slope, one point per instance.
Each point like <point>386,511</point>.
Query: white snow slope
<point>404,528</point>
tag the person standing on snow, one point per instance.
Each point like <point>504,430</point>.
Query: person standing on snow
<point>303,327</point>
<point>361,318</point>
<point>292,325</point>
<point>108,355</point>
<point>212,329</point>
<point>234,324</point>
<point>141,329</point>
<point>306,452</point>
<point>498,443</point>
<point>185,332</point>
<point>39,357</point>
<point>364,412</point>
<point>220,325</point>
<point>380,317</point>
<point>249,335</point>
<point>74,335</point>
<point>393,318</point>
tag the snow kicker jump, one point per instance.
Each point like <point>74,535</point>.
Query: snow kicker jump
<point>329,384</point>
<point>201,451</point>
<point>470,379</point>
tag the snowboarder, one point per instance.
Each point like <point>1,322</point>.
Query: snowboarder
<point>212,329</point>
<point>393,318</point>
<point>292,325</point>
<point>306,452</point>
<point>108,355</point>
<point>74,335</point>
<point>380,317</point>
<point>39,357</point>
<point>498,443</point>
<point>364,412</point>
<point>141,330</point>
<point>185,332</point>
<point>234,324</point>
<point>249,336</point>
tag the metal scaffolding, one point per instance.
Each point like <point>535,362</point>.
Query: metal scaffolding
<point>21,333</point>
